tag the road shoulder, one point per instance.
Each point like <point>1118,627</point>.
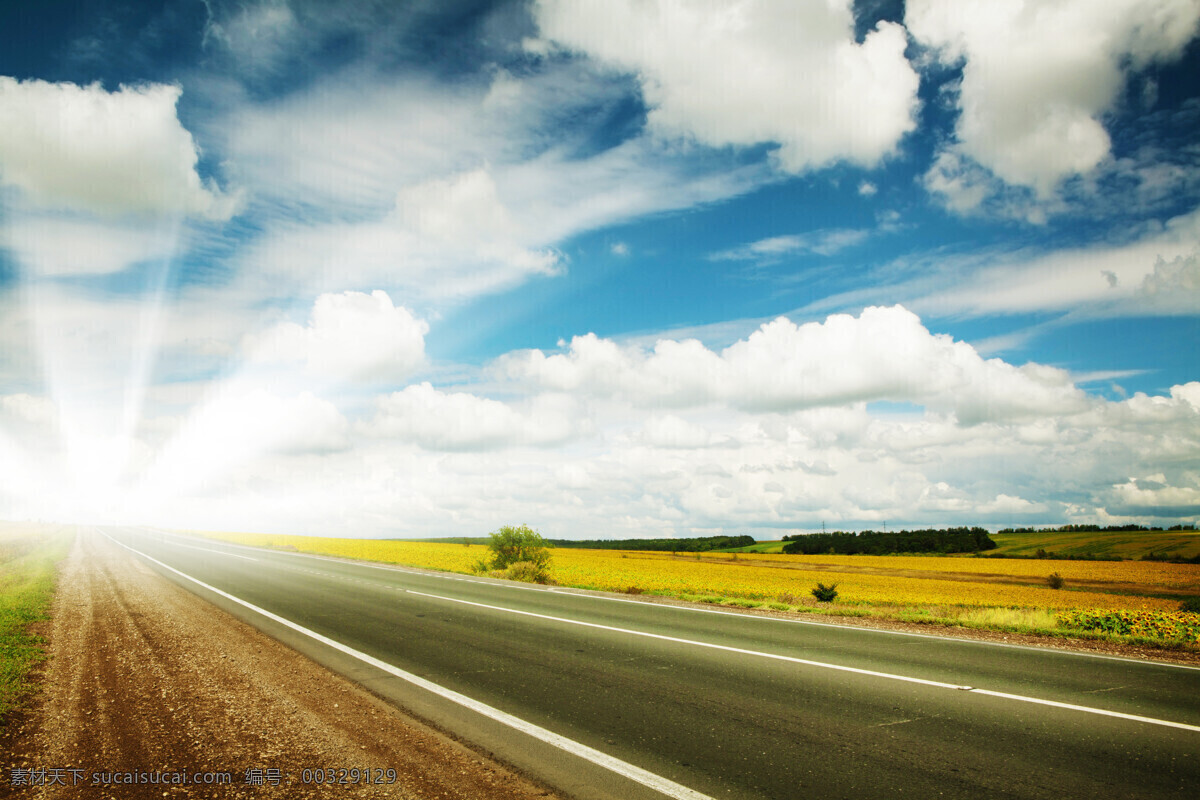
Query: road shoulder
<point>147,678</point>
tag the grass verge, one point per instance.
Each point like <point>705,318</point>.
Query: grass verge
<point>27,563</point>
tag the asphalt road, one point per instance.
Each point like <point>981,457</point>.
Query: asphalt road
<point>727,705</point>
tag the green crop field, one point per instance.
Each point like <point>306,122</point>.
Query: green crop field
<point>1103,544</point>
<point>760,547</point>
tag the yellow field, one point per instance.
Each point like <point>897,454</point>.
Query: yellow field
<point>1156,575</point>
<point>865,580</point>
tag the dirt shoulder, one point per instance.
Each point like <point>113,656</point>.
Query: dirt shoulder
<point>146,678</point>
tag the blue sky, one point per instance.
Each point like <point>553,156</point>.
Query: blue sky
<point>605,268</point>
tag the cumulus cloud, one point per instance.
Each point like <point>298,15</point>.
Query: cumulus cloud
<point>82,148</point>
<point>1173,285</point>
<point>434,461</point>
<point>1037,79</point>
<point>670,431</point>
<point>1153,496</point>
<point>459,421</point>
<point>753,72</point>
<point>348,335</point>
<point>465,211</point>
<point>884,354</point>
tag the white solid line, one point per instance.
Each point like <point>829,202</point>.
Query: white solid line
<point>624,768</point>
<point>1088,709</point>
<point>726,648</point>
<point>777,657</point>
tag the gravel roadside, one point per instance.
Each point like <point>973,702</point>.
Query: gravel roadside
<point>146,678</point>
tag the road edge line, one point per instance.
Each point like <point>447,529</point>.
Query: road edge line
<point>625,769</point>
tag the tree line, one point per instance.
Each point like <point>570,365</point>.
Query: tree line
<point>699,544</point>
<point>877,543</point>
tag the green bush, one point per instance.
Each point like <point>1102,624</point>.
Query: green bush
<point>824,593</point>
<point>527,572</point>
<point>520,552</point>
<point>1055,581</point>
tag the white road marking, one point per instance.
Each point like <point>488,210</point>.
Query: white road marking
<point>839,667</point>
<point>1088,709</point>
<point>725,648</point>
<point>623,768</point>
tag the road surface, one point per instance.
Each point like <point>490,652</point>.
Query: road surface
<point>607,697</point>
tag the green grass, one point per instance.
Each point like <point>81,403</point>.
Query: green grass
<point>27,562</point>
<point>760,547</point>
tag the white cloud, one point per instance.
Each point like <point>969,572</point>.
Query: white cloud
<point>1037,79</point>
<point>1152,495</point>
<point>443,193</point>
<point>349,335</point>
<point>258,36</point>
<point>1172,285</point>
<point>459,421</point>
<point>670,431</point>
<point>884,354</point>
<point>30,422</point>
<point>468,233</point>
<point>867,189</point>
<point>57,245</point>
<point>1154,273</point>
<point>239,424</point>
<point>439,462</point>
<point>752,72</point>
<point>823,243</point>
<point>106,153</point>
<point>444,238</point>
<point>962,184</point>
<point>1189,393</point>
<point>29,409</point>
